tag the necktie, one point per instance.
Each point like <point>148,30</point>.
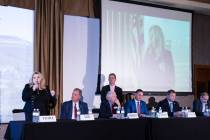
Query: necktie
<point>75,111</point>
<point>138,108</point>
<point>171,106</point>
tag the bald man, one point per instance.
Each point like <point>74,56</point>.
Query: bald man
<point>108,107</point>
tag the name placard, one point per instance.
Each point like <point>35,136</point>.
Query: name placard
<point>191,115</point>
<point>47,118</point>
<point>87,117</point>
<point>162,115</point>
<point>132,115</point>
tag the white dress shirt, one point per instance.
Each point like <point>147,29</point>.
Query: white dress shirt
<point>171,106</point>
<point>137,105</point>
<point>112,88</point>
<point>204,107</point>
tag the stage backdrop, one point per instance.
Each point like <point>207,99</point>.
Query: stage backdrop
<point>81,56</point>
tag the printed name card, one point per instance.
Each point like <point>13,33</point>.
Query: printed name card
<point>162,115</point>
<point>86,117</point>
<point>132,115</point>
<point>191,115</point>
<point>47,118</point>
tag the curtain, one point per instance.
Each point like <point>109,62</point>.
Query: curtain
<point>79,7</point>
<point>88,8</point>
<point>28,4</point>
<point>49,45</point>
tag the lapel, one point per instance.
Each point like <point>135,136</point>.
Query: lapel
<point>208,103</point>
<point>141,106</point>
<point>167,105</point>
<point>134,106</point>
<point>108,87</point>
<point>200,107</point>
<point>115,89</point>
<point>80,107</point>
<point>69,109</point>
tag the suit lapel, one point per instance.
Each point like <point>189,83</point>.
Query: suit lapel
<point>80,107</point>
<point>69,109</point>
<point>141,106</point>
<point>115,89</point>
<point>167,105</point>
<point>134,106</point>
<point>108,87</point>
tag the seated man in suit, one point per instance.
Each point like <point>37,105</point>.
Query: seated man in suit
<point>137,105</point>
<point>201,104</point>
<point>69,109</point>
<point>151,103</point>
<point>112,87</point>
<point>108,107</point>
<point>170,105</point>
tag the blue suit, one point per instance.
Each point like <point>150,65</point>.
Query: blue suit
<point>66,109</point>
<point>130,107</point>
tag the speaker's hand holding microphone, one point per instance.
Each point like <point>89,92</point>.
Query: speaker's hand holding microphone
<point>35,87</point>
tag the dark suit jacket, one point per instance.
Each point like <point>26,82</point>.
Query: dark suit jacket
<point>117,89</point>
<point>105,110</point>
<point>130,107</point>
<point>66,109</point>
<point>165,107</point>
<point>197,107</point>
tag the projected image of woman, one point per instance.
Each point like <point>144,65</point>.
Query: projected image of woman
<point>158,62</point>
<point>37,96</point>
<point>135,49</point>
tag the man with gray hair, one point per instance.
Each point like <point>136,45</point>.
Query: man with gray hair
<point>201,104</point>
<point>69,108</point>
<point>108,107</point>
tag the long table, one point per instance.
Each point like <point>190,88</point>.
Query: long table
<point>180,129</point>
<point>137,129</point>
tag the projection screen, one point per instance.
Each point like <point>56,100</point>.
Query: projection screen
<point>147,47</point>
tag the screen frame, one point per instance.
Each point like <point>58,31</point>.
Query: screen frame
<point>151,93</point>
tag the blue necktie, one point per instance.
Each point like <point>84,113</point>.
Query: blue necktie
<point>171,106</point>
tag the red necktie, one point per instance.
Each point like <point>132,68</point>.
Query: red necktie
<point>75,111</point>
<point>138,108</point>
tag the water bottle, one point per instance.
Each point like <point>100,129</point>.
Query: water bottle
<point>90,111</point>
<point>122,113</point>
<point>38,115</point>
<point>153,112</point>
<point>186,109</point>
<point>183,109</point>
<point>160,110</point>
<point>183,112</point>
<point>78,115</point>
<point>35,115</point>
<point>118,112</point>
<point>206,113</point>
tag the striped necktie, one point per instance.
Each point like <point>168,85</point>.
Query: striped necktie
<point>138,107</point>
